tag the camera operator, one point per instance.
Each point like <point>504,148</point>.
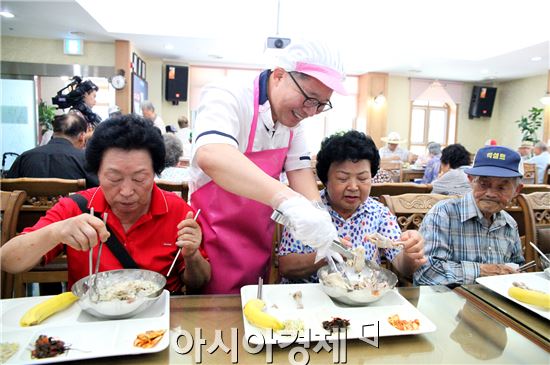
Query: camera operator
<point>80,99</point>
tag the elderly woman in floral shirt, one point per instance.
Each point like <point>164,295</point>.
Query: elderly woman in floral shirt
<point>346,164</point>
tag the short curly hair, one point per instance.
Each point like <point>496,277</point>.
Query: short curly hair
<point>128,132</point>
<point>455,155</point>
<point>351,145</point>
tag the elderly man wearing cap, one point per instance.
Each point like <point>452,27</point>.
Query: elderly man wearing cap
<point>246,133</point>
<point>473,236</point>
<point>392,151</point>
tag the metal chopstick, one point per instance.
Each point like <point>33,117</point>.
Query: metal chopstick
<point>105,215</point>
<point>260,285</point>
<point>90,258</point>
<point>527,266</point>
<point>179,251</point>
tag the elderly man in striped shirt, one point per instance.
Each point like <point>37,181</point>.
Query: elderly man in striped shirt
<point>473,236</point>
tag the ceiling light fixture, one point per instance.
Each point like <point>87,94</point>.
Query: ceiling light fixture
<point>545,100</point>
<point>6,14</point>
<point>536,58</point>
<point>168,47</point>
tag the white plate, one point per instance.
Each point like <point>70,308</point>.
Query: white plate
<point>318,307</point>
<point>501,283</point>
<point>89,337</point>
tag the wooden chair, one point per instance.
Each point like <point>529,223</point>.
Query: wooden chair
<point>529,173</point>
<point>378,190</point>
<point>410,210</point>
<point>182,188</point>
<point>538,204</point>
<point>546,179</point>
<point>532,188</point>
<point>10,205</point>
<point>523,216</point>
<point>394,167</point>
<point>42,194</point>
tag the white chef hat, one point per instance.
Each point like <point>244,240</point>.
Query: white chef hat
<point>316,59</point>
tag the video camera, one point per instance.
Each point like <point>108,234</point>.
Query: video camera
<point>72,97</point>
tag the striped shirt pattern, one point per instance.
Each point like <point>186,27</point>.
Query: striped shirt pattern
<point>458,238</point>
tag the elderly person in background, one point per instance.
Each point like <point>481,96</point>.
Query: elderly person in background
<point>174,151</point>
<point>473,236</point>
<point>345,165</point>
<point>149,223</point>
<point>392,151</point>
<point>184,134</point>
<point>452,179</point>
<point>432,166</point>
<point>525,150</point>
<point>63,157</point>
<point>541,160</point>
<point>149,113</point>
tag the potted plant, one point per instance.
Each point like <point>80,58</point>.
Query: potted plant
<point>46,114</point>
<point>530,124</point>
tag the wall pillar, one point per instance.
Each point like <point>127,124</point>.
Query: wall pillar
<point>371,85</point>
<point>123,59</point>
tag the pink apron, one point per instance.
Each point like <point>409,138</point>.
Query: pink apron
<point>238,232</point>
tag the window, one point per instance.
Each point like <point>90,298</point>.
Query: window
<point>431,121</point>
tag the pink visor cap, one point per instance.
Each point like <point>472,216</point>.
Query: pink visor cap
<point>329,77</point>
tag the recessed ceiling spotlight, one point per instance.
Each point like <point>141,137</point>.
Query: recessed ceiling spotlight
<point>168,46</point>
<point>215,56</point>
<point>6,14</point>
<point>536,58</point>
<point>77,33</point>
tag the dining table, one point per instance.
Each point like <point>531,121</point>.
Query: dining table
<point>468,331</point>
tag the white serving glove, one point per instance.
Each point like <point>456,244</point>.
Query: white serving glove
<point>310,223</point>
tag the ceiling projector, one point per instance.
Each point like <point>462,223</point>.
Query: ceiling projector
<point>277,42</point>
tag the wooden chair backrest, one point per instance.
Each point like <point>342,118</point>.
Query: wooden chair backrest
<point>531,188</point>
<point>538,204</point>
<point>410,209</point>
<point>10,205</point>
<point>546,177</point>
<point>181,188</point>
<point>394,167</point>
<point>529,173</point>
<point>378,190</point>
<point>42,194</point>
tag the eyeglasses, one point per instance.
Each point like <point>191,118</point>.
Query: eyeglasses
<point>310,102</point>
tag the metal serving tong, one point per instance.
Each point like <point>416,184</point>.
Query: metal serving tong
<point>335,245</point>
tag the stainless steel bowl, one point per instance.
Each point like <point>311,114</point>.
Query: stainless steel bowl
<point>118,309</point>
<point>359,297</point>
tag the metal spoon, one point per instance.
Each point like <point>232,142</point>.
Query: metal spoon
<point>540,252</point>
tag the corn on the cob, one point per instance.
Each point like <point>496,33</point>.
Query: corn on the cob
<point>43,310</point>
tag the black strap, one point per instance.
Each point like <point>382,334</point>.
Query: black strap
<point>113,243</point>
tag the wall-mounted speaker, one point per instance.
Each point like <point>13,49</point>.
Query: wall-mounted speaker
<point>176,83</point>
<point>483,99</point>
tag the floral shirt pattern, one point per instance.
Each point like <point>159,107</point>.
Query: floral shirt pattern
<point>370,217</point>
